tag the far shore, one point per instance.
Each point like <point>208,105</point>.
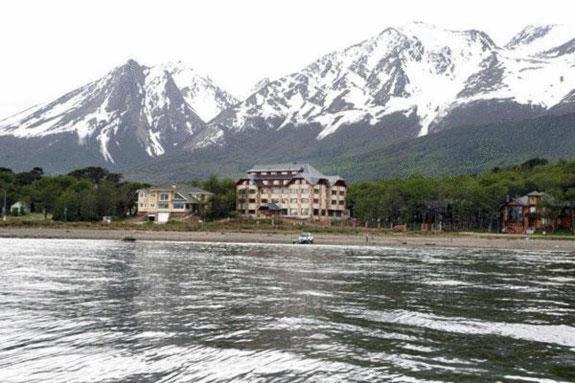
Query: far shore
<point>484,241</point>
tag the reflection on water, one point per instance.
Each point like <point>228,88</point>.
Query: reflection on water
<point>94,311</point>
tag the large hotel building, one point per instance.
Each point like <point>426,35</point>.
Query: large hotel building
<point>297,191</point>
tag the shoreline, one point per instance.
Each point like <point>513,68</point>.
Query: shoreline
<point>389,240</point>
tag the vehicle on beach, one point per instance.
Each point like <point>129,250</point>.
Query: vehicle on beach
<point>305,239</point>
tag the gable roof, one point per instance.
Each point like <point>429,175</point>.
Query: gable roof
<point>184,192</point>
<point>303,170</point>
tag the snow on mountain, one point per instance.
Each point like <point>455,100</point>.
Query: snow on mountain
<point>413,69</point>
<point>260,84</point>
<point>537,40</point>
<point>200,92</point>
<point>157,107</point>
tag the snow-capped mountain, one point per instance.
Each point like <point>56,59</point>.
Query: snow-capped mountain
<point>371,98</point>
<point>200,92</point>
<point>134,111</point>
<point>441,77</point>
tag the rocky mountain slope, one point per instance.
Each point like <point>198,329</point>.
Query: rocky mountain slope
<point>130,115</point>
<point>344,110</point>
<point>443,78</point>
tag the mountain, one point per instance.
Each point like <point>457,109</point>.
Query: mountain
<point>409,87</point>
<point>412,87</point>
<point>440,77</point>
<point>131,114</point>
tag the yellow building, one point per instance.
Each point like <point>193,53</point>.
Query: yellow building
<point>160,203</point>
<point>297,191</point>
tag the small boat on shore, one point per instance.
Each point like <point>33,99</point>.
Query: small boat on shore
<point>305,239</point>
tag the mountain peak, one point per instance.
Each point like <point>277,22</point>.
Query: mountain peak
<point>537,39</point>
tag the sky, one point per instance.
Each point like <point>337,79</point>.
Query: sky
<point>49,47</point>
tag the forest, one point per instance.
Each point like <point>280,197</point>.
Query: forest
<point>456,203</point>
<point>91,193</point>
<point>459,203</point>
<point>82,195</point>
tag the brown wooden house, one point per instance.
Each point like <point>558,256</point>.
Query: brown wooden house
<point>532,212</point>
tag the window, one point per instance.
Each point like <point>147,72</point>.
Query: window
<point>293,200</point>
<point>264,200</point>
<point>252,200</point>
<point>178,205</point>
<point>342,202</point>
<point>252,191</point>
<point>304,200</point>
<point>141,205</point>
<point>276,182</point>
<point>292,211</point>
<point>333,202</point>
<point>342,192</point>
<point>304,211</point>
<point>315,200</point>
<point>251,211</point>
<point>333,192</point>
<point>163,206</point>
<point>164,196</point>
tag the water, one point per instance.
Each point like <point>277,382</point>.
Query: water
<point>107,311</point>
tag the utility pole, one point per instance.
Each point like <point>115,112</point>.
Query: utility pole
<point>5,205</point>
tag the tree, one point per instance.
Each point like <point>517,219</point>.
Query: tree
<point>95,174</point>
<point>67,207</point>
<point>223,201</point>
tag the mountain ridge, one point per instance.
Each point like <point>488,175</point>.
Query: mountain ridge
<point>402,84</point>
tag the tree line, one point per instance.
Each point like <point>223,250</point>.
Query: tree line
<point>82,195</point>
<point>465,202</point>
<point>91,193</point>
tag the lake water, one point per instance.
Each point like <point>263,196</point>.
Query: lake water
<point>109,311</point>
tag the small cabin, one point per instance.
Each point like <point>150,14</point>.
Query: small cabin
<point>20,208</point>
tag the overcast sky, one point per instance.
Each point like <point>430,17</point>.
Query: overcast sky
<point>49,47</point>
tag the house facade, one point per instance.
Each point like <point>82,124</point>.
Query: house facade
<point>160,203</point>
<point>529,213</point>
<point>295,191</point>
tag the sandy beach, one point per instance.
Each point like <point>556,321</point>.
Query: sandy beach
<point>461,241</point>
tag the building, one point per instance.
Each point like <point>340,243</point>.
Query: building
<point>160,203</point>
<point>295,191</point>
<point>20,208</point>
<point>535,211</point>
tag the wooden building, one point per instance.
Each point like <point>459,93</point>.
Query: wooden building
<point>535,211</point>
